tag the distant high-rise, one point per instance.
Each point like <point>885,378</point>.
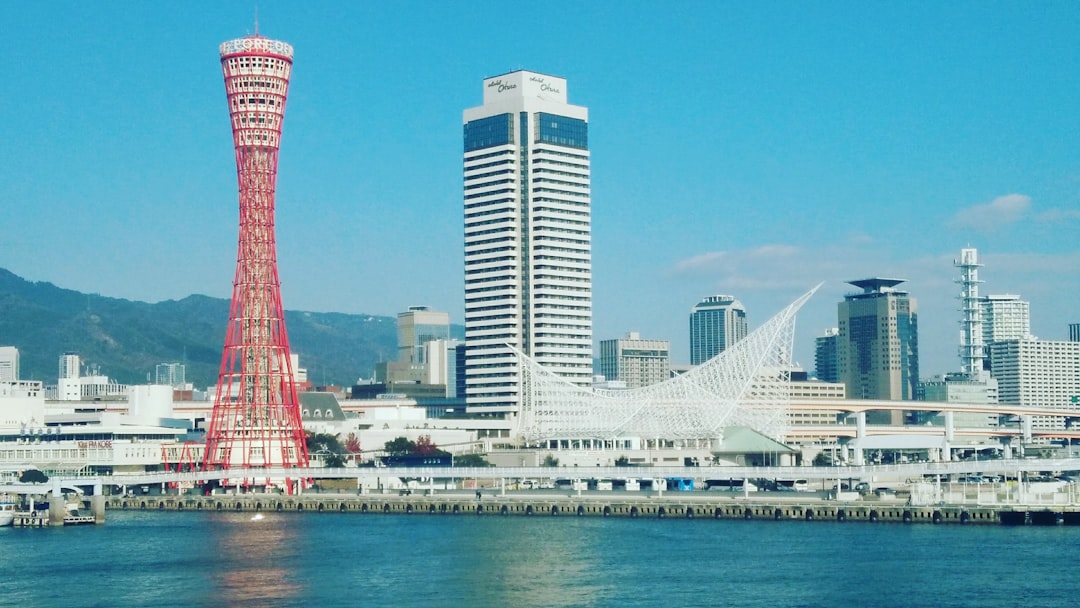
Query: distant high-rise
<point>716,323</point>
<point>422,347</point>
<point>827,356</point>
<point>528,256</point>
<point>1037,373</point>
<point>418,326</point>
<point>70,366</point>
<point>171,374</point>
<point>635,361</point>
<point>878,342</point>
<point>9,364</point>
<point>1074,332</point>
<point>69,383</point>
<point>1005,317</point>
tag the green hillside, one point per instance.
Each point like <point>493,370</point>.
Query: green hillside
<point>125,340</point>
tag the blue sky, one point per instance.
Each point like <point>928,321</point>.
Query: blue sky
<point>739,149</point>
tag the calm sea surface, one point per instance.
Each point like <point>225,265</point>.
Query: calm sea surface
<point>291,559</point>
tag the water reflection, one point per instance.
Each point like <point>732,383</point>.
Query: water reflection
<point>552,558</point>
<point>255,559</point>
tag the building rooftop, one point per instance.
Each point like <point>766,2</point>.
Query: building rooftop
<point>876,284</point>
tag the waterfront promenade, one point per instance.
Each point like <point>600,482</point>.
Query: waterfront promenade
<point>925,497</point>
<point>928,492</point>
<point>1015,467</point>
<point>691,505</point>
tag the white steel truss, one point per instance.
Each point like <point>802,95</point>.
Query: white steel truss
<point>746,385</point>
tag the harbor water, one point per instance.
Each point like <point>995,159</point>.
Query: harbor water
<point>145,558</point>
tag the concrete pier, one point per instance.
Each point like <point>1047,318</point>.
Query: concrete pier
<point>671,506</point>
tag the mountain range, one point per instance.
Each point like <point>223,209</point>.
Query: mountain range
<point>125,340</point>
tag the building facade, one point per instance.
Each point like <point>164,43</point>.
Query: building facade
<point>635,361</point>
<point>1037,373</point>
<point>423,335</point>
<point>878,342</point>
<point>1005,317</point>
<point>827,356</point>
<point>716,323</point>
<point>9,364</point>
<point>528,255</point>
<point>171,374</point>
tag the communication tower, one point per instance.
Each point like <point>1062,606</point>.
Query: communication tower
<point>255,423</point>
<point>971,346</point>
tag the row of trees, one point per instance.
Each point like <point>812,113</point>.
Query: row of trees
<point>334,453</point>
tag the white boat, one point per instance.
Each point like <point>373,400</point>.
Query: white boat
<point>7,513</point>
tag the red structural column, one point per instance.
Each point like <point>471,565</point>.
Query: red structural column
<point>255,423</point>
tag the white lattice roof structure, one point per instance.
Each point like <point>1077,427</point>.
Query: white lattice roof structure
<point>746,385</point>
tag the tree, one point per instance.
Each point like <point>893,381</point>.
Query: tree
<point>471,460</point>
<point>550,461</point>
<point>33,476</point>
<point>822,459</point>
<point>426,447</point>
<point>327,448</point>
<point>622,461</point>
<point>352,444</point>
<point>334,460</point>
<point>400,446</point>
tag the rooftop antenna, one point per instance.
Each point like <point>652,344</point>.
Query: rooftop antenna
<point>256,19</point>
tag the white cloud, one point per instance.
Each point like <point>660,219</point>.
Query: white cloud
<point>1059,215</point>
<point>704,261</point>
<point>1000,212</point>
<point>774,251</point>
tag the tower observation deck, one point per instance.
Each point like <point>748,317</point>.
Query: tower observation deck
<point>255,422</point>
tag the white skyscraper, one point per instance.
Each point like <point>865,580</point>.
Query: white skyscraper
<point>9,364</point>
<point>1038,373</point>
<point>528,260</point>
<point>716,323</point>
<point>1005,317</point>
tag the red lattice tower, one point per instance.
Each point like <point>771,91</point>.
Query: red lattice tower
<point>256,418</point>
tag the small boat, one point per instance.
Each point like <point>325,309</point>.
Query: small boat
<point>257,517</point>
<point>7,513</point>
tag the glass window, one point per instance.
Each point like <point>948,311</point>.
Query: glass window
<point>562,131</point>
<point>490,131</point>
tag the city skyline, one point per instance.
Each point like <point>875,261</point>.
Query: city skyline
<point>735,150</point>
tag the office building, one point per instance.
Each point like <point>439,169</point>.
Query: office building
<point>1005,317</point>
<point>634,361</point>
<point>171,374</point>
<point>9,364</point>
<point>417,328</point>
<point>1037,373</point>
<point>716,323</point>
<point>528,257</point>
<point>826,356</point>
<point>878,343</point>
<point>1074,332</point>
<point>423,349</point>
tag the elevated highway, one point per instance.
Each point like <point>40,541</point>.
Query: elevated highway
<point>866,405</point>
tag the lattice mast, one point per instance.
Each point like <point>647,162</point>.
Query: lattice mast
<point>256,417</point>
<point>971,346</point>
